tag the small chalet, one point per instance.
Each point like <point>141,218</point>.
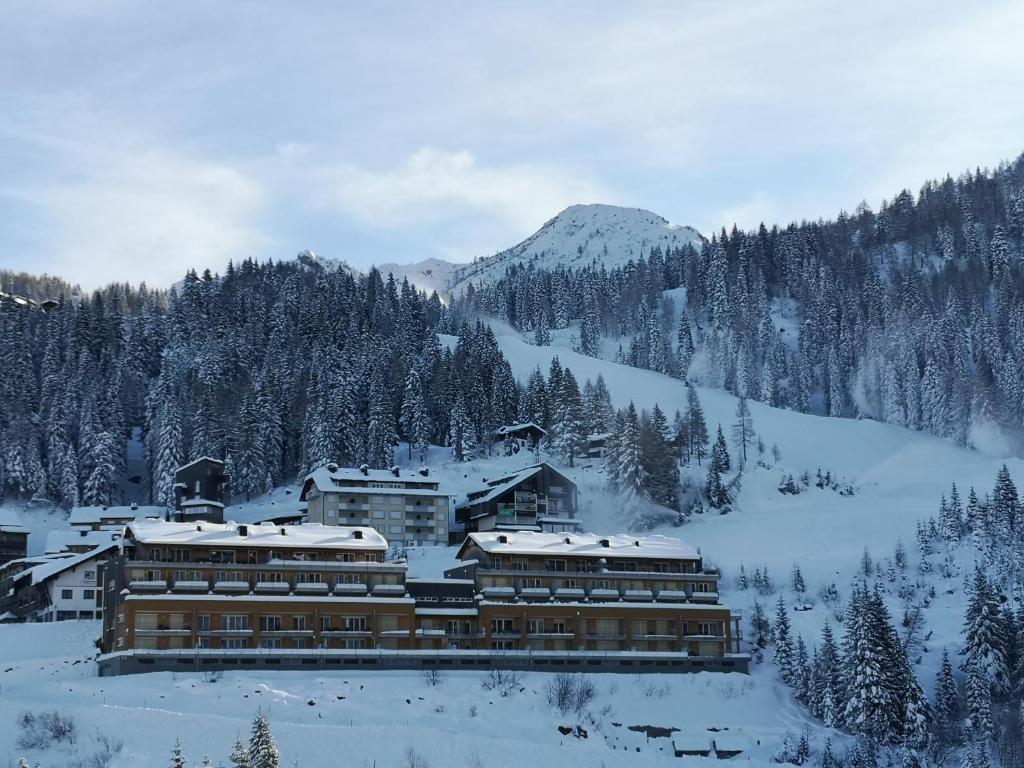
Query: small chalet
<point>535,498</point>
<point>201,491</point>
<point>597,445</point>
<point>518,436</point>
<point>13,536</point>
<point>54,587</point>
<point>101,518</point>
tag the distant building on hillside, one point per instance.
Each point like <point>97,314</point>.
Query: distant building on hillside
<point>55,587</point>
<point>100,518</point>
<point>597,445</point>
<point>13,537</point>
<point>535,498</point>
<point>201,491</point>
<point>407,507</point>
<point>516,437</point>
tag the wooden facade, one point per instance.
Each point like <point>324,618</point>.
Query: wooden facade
<point>312,588</point>
<point>536,498</point>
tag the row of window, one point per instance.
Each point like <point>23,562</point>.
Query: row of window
<point>559,565</point>
<point>145,621</point>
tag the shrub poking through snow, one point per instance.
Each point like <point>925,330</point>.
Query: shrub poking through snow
<point>42,730</point>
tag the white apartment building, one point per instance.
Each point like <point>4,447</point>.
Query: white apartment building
<point>405,507</point>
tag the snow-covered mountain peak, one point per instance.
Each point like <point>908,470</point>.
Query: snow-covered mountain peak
<point>581,235</point>
<point>314,261</point>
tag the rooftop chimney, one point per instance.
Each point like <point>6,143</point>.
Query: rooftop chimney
<point>605,543</point>
<point>357,534</point>
<point>284,532</point>
<point>395,471</point>
<point>332,467</point>
<point>243,530</point>
<point>365,469</point>
<point>503,539</point>
<point>636,543</point>
<point>568,540</point>
<point>425,471</point>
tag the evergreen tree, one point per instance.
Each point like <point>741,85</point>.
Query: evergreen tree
<point>239,757</point>
<point>698,437</point>
<point>743,430</point>
<point>262,749</point>
<point>984,642</point>
<point>785,652</point>
<point>178,759</point>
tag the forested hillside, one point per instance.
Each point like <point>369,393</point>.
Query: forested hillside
<point>272,366</point>
<point>910,315</point>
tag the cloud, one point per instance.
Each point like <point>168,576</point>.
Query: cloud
<point>131,212</point>
<point>747,214</point>
<point>434,185</point>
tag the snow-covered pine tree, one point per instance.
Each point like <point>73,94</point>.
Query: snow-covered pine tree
<point>785,652</point>
<point>239,757</point>
<point>720,452</point>
<point>698,437</point>
<point>946,723</point>
<point>262,749</point>
<point>178,759</point>
<point>569,430</point>
<point>985,645</point>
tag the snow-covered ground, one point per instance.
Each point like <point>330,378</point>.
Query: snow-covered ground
<point>372,718</point>
<point>898,476</point>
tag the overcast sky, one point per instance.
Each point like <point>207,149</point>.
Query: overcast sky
<point>139,139</point>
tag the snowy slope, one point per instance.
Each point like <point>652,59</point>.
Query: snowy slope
<point>900,474</point>
<point>371,718</point>
<point>580,235</point>
<point>428,275</point>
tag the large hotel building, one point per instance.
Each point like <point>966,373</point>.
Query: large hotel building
<point>222,596</point>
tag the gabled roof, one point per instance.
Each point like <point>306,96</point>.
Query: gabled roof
<point>581,545</point>
<point>201,503</point>
<point>343,479</point>
<point>498,486</point>
<point>510,428</point>
<point>309,535</point>
<point>10,522</point>
<point>63,539</point>
<point>96,515</point>
<point>198,461</point>
<point>50,566</point>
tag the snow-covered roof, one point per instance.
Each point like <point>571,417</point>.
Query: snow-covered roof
<point>202,503</point>
<point>509,428</point>
<point>263,535</point>
<point>54,565</point>
<point>10,522</point>
<point>583,545</point>
<point>343,479</point>
<point>599,436</point>
<point>499,486</point>
<point>63,539</point>
<point>96,515</point>
<point>504,483</point>
<point>197,461</point>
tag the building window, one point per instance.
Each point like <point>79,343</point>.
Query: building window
<point>535,626</point>
<point>325,623</point>
<point>67,594</point>
<point>270,623</point>
<point>204,622</point>
<point>558,626</point>
<point>89,594</point>
<point>299,623</point>
<point>90,576</point>
<point>145,621</point>
<point>236,622</point>
<point>234,643</point>
<point>555,565</point>
<point>354,624</point>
